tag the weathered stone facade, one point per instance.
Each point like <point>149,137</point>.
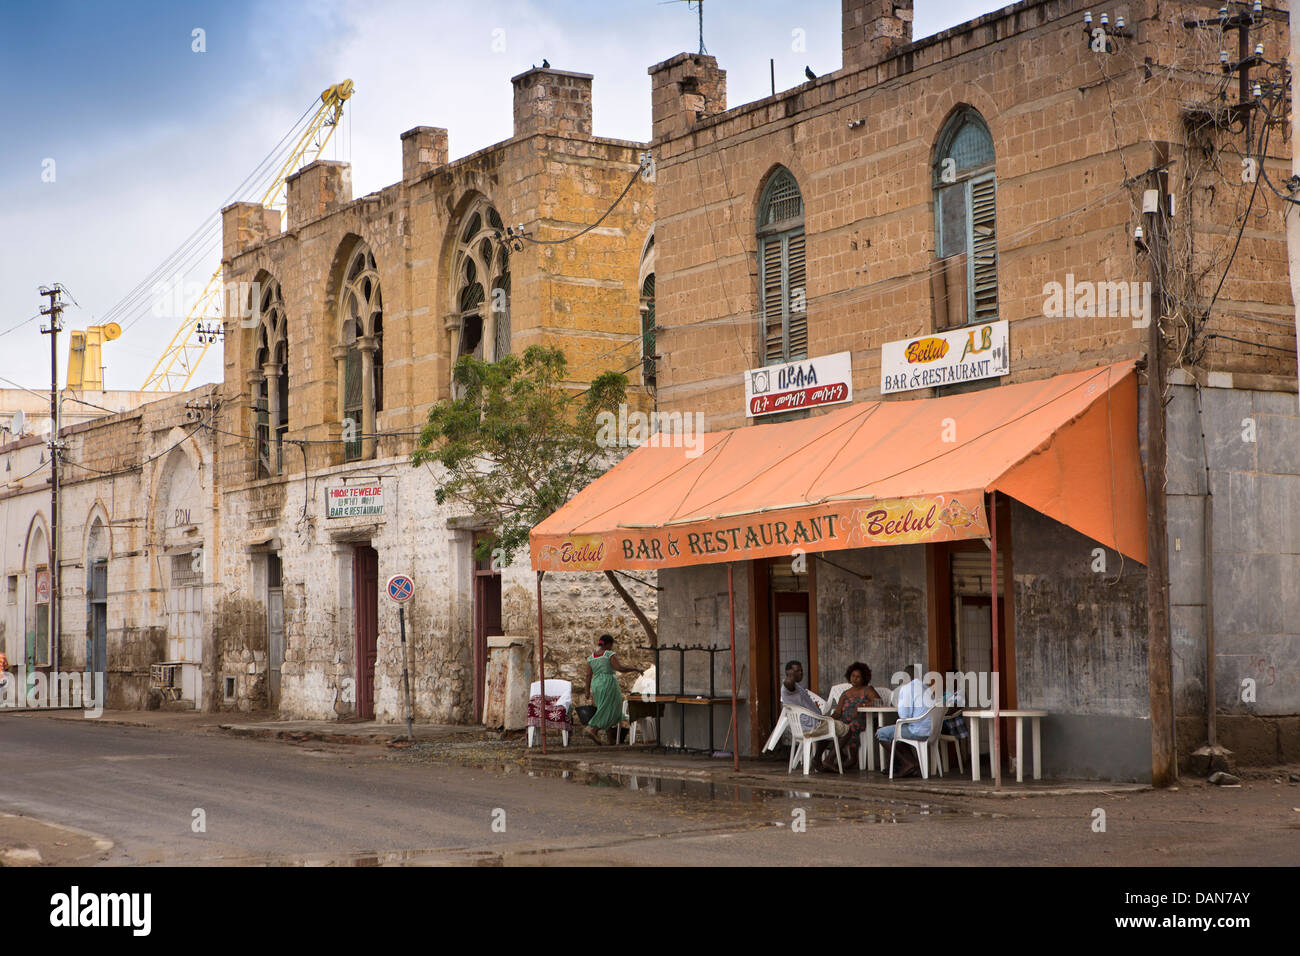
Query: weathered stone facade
<point>1075,136</point>
<point>137,495</point>
<point>404,281</point>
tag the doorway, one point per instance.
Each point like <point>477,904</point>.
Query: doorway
<point>365,623</point>
<point>274,628</point>
<point>97,652</point>
<point>487,620</point>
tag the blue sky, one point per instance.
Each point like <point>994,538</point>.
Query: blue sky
<point>148,137</point>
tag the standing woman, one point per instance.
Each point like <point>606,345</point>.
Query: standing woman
<point>602,687</point>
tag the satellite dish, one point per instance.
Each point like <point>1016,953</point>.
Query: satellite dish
<point>111,331</point>
<point>18,423</point>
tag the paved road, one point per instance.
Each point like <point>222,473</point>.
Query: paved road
<point>270,802</point>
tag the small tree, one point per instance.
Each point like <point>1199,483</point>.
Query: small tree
<point>517,445</point>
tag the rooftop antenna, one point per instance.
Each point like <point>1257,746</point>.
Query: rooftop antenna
<point>700,5</point>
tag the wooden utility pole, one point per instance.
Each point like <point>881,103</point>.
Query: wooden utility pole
<point>1293,211</point>
<point>54,310</point>
<point>1164,763</point>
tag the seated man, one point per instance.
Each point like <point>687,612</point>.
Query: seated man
<point>795,695</point>
<point>911,703</point>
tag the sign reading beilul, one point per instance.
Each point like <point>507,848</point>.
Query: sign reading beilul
<point>945,358</point>
<point>354,501</point>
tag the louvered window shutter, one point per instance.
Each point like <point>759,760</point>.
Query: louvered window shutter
<point>984,250</point>
<point>773,301</point>
<point>796,299</point>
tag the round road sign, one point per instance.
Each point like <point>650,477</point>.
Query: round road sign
<point>400,588</point>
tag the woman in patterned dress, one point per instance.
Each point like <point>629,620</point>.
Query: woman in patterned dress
<point>603,689</point>
<point>861,694</point>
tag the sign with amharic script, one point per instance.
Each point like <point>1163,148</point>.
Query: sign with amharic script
<point>354,501</point>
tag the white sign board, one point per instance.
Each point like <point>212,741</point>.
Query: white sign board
<point>354,501</point>
<point>827,380</point>
<point>945,358</point>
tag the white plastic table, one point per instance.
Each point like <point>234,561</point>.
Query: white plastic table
<point>975,716</point>
<point>877,720</point>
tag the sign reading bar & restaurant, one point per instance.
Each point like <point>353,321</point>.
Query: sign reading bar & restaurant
<point>823,527</point>
<point>945,358</point>
<point>354,501</point>
<point>807,384</point>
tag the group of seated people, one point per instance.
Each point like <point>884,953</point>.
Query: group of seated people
<point>849,723</point>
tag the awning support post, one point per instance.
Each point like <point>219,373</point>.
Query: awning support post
<point>995,741</point>
<point>541,662</point>
<point>735,726</point>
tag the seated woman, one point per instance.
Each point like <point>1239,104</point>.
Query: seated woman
<point>860,694</point>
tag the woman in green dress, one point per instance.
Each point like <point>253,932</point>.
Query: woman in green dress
<point>603,689</point>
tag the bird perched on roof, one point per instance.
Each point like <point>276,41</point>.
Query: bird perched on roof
<point>546,64</point>
<point>807,71</point>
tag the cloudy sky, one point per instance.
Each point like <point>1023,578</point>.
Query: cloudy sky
<point>121,140</point>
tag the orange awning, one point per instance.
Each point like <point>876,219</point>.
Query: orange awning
<point>868,474</point>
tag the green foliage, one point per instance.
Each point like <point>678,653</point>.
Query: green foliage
<point>517,444</point>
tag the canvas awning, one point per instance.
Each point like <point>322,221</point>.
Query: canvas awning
<point>868,474</point>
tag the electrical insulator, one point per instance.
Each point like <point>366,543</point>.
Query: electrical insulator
<point>1256,92</point>
<point>1119,22</point>
<point>1258,7</point>
<point>1087,19</point>
<point>1259,49</point>
<point>1105,19</point>
<point>1223,13</point>
<point>1223,57</point>
<point>1137,233</point>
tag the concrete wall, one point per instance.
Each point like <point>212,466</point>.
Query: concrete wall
<point>880,621</point>
<point>693,610</point>
<point>1252,442</point>
<point>1081,650</point>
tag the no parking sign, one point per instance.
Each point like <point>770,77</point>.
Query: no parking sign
<point>400,588</point>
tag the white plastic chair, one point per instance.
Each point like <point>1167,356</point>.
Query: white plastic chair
<point>783,725</point>
<point>555,687</point>
<point>868,737</point>
<point>833,701</point>
<point>956,742</point>
<point>645,684</point>
<point>801,742</point>
<point>926,748</point>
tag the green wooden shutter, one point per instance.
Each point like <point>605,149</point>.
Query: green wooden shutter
<point>796,299</point>
<point>773,300</point>
<point>984,250</point>
<point>352,402</point>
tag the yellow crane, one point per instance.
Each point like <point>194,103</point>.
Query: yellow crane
<point>183,354</point>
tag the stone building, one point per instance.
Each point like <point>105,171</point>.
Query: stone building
<point>361,307</point>
<point>137,524</point>
<point>962,192</point>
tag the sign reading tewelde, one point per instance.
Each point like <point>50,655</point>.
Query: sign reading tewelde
<point>945,358</point>
<point>354,501</point>
<point>827,380</point>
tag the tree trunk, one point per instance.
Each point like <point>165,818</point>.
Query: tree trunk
<point>630,601</point>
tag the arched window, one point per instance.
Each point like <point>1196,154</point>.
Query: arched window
<point>782,296</point>
<point>646,278</point>
<point>965,219</point>
<point>361,327</point>
<point>482,269</point>
<point>271,389</point>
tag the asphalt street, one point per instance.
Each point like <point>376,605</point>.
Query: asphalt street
<point>262,802</point>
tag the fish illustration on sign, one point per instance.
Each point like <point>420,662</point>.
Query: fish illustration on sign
<point>956,515</point>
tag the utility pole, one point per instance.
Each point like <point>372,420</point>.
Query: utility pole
<point>1164,764</point>
<point>54,310</point>
<point>1293,213</point>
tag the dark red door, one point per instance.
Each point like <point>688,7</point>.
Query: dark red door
<point>365,604</point>
<point>487,623</point>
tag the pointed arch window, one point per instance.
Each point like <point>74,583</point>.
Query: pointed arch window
<point>361,327</point>
<point>965,219</point>
<point>271,374</point>
<point>647,282</point>
<point>482,268</point>
<point>781,271</point>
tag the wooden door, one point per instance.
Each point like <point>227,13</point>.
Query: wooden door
<point>274,628</point>
<point>365,613</point>
<point>97,653</point>
<point>487,623</point>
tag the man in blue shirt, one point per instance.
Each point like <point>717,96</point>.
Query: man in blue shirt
<point>911,702</point>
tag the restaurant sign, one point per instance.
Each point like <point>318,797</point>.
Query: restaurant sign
<point>354,501</point>
<point>811,528</point>
<point>807,384</point>
<point>945,358</point>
